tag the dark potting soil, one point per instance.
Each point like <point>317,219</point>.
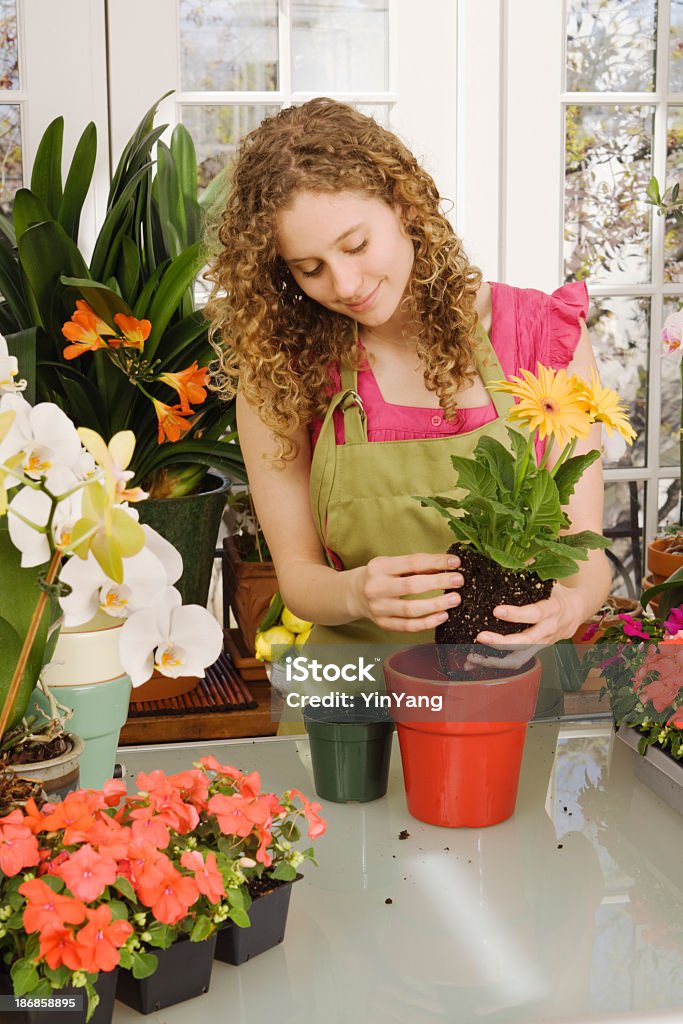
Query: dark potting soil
<point>486,585</point>
<point>29,753</point>
<point>260,886</point>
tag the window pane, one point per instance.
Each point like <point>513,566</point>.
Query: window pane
<point>670,400</point>
<point>611,45</point>
<point>673,239</point>
<point>216,131</point>
<point>341,46</point>
<point>380,111</point>
<point>9,53</point>
<point>608,163</point>
<point>10,155</point>
<point>624,516</point>
<point>668,497</point>
<point>676,48</point>
<point>228,45</point>
<point>620,332</point>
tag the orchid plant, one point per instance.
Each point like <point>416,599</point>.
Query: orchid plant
<point>71,539</point>
<point>513,510</point>
<point>101,879</point>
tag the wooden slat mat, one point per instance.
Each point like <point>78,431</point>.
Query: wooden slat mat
<point>220,690</point>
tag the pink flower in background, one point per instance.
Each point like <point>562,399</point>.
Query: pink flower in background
<point>632,627</point>
<point>674,623</point>
<point>672,333</point>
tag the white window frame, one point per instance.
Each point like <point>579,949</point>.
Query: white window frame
<point>510,206</point>
<point>76,88</point>
<point>422,75</point>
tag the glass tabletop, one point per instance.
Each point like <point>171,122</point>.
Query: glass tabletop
<point>570,911</point>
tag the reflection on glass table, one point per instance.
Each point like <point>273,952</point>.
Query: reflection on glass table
<point>571,911</point>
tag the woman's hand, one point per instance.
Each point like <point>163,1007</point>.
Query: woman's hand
<point>384,591</point>
<point>556,618</point>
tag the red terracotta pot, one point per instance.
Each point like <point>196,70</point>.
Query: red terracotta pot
<point>460,765</point>
<point>660,561</point>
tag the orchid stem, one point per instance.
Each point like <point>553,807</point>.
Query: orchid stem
<point>28,643</point>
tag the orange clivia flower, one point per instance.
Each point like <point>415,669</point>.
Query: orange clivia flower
<point>45,907</point>
<point>135,332</point>
<point>172,425</point>
<point>190,385</point>
<point>100,939</point>
<point>86,331</point>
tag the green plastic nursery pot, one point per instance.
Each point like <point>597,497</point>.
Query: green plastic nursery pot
<point>350,753</point>
<point>461,764</point>
<point>191,524</point>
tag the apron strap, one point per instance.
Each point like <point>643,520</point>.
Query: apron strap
<point>491,371</point>
<point>324,462</point>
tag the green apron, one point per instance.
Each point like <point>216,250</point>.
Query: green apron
<point>362,492</point>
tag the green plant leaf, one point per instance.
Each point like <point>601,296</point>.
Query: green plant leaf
<point>474,477</point>
<point>499,462</point>
<point>144,964</point>
<point>24,977</point>
<point>129,269</point>
<point>28,209</point>
<point>162,935</point>
<point>544,504</point>
<point>170,199</point>
<point>145,297</point>
<point>273,613</point>
<point>240,917</point>
<point>104,250</point>
<point>215,194</point>
<point>176,279</point>
<point>11,288</point>
<point>78,182</point>
<point>570,472</point>
<point>585,539</point>
<point>46,253</point>
<point>123,886</point>
<point>46,177</point>
<point>548,565</point>
<point>202,928</point>
<point>283,871</point>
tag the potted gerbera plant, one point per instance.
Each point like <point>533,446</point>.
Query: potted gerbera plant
<point>512,535</point>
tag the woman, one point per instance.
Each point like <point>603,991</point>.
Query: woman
<point>359,341</point>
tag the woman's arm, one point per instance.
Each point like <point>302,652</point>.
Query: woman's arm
<point>578,597</point>
<point>309,586</point>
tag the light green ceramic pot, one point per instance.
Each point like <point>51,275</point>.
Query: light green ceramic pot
<point>85,674</point>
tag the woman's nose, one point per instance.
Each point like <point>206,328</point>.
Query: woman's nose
<point>346,281</point>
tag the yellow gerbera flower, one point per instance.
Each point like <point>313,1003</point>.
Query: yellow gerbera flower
<point>550,403</point>
<point>604,406</point>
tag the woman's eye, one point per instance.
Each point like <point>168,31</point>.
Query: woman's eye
<point>312,273</point>
<point>359,248</point>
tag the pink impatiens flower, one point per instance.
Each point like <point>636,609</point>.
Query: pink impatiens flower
<point>674,622</point>
<point>632,627</point>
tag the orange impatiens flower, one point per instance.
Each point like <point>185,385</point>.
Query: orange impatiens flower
<point>206,874</point>
<point>100,939</point>
<point>58,946</point>
<point>18,845</point>
<point>87,872</point>
<point>86,330</point>
<point>45,907</point>
<point>135,332</point>
<point>172,896</point>
<point>190,385</point>
<point>172,424</point>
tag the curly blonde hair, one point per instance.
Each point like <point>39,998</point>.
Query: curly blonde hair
<point>272,340</point>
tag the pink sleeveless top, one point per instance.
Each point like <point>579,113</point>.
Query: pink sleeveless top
<point>527,327</point>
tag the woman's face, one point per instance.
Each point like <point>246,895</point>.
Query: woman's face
<point>347,251</point>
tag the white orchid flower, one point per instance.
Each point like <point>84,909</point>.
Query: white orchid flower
<point>176,640</point>
<point>168,555</point>
<point>144,583</point>
<point>114,459</point>
<point>9,368</point>
<point>29,513</point>
<point>42,436</point>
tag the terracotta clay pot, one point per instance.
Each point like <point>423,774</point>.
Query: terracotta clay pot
<point>247,590</point>
<point>647,582</point>
<point>160,687</point>
<point>660,561</point>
